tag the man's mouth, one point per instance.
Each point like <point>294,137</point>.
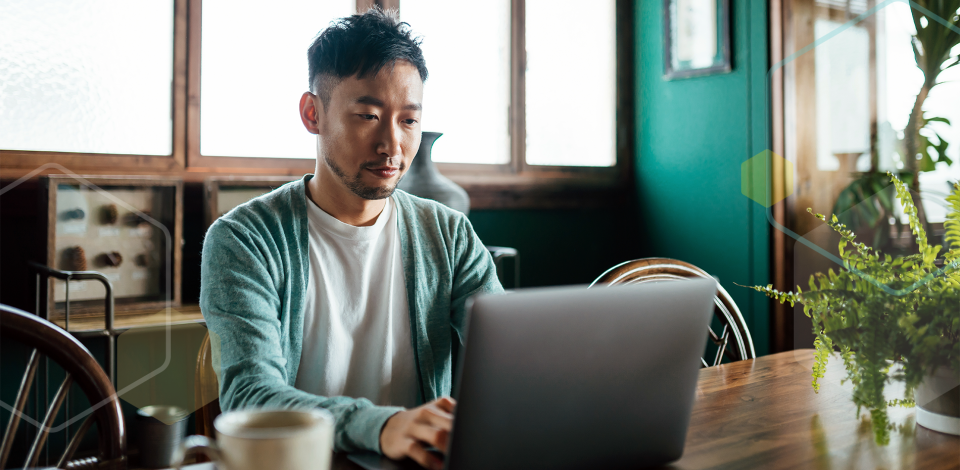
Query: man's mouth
<point>384,171</point>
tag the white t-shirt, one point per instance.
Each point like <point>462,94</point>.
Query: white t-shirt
<point>356,322</point>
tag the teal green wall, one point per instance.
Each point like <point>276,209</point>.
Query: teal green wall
<point>692,136</point>
<point>561,246</point>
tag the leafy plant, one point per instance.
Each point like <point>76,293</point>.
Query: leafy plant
<point>881,311</point>
<point>869,188</point>
<point>933,46</point>
<point>864,204</point>
<point>931,140</point>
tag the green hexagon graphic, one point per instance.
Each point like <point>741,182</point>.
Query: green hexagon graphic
<point>753,178</point>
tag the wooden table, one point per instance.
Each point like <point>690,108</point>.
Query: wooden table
<point>763,414</point>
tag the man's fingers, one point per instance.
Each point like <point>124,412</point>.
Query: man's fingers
<point>446,404</point>
<point>437,418</point>
<point>408,433</point>
<point>419,454</point>
<point>435,437</point>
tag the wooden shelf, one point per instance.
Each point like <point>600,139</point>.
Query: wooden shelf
<point>126,320</point>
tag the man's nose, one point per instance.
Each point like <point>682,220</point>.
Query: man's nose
<point>390,140</point>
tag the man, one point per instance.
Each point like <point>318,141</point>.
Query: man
<point>336,290</point>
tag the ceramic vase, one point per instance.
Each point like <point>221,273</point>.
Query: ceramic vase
<point>424,180</point>
<point>938,401</point>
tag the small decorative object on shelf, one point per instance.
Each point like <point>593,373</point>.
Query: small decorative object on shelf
<point>75,259</point>
<point>424,180</point>
<point>72,214</point>
<point>112,259</point>
<point>109,214</point>
<point>892,319</point>
<point>115,231</point>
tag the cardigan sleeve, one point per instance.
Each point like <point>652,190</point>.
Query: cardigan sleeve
<point>240,302</point>
<point>474,273</point>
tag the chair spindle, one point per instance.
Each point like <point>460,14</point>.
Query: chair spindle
<point>52,412</point>
<point>18,407</point>
<point>75,442</point>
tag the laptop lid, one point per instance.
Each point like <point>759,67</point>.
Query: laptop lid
<point>572,378</point>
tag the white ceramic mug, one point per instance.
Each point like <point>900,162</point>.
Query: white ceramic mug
<point>274,439</point>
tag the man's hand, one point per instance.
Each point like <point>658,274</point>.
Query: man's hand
<point>409,433</point>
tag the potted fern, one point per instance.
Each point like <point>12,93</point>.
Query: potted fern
<point>891,319</point>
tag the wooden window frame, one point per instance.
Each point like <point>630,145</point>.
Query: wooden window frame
<point>790,30</point>
<point>515,184</point>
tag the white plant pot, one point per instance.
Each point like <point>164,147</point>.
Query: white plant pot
<point>938,402</point>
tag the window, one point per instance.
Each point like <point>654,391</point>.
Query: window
<point>571,83</point>
<point>203,87</point>
<point>253,71</point>
<point>562,88</point>
<point>90,77</point>
<point>849,100</point>
<point>467,95</point>
<point>899,80</point>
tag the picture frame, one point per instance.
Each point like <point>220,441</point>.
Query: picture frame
<point>696,38</point>
<point>221,194</point>
<point>115,221</point>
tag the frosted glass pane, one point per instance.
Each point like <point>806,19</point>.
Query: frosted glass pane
<point>253,70</point>
<point>93,76</point>
<point>571,82</point>
<point>467,96</point>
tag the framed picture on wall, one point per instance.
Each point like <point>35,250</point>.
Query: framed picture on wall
<point>696,38</point>
<point>127,228</point>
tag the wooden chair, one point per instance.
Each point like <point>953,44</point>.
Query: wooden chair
<point>207,389</point>
<point>733,342</point>
<point>47,339</point>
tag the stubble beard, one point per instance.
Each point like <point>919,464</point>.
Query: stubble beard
<point>356,185</point>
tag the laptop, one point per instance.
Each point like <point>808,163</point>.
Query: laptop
<point>570,377</point>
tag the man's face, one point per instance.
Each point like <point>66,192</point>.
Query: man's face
<point>370,131</point>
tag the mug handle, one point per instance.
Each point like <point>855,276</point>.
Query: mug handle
<point>202,444</point>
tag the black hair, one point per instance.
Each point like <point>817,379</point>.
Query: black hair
<point>360,45</point>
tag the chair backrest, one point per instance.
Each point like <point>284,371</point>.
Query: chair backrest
<point>733,342</point>
<point>47,339</point>
<point>207,389</point>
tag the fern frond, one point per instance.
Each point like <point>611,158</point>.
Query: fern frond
<point>783,297</point>
<point>902,403</point>
<point>952,225</point>
<point>881,425</point>
<point>824,347</point>
<point>849,363</point>
<point>903,194</point>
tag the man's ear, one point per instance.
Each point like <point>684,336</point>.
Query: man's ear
<point>310,114</point>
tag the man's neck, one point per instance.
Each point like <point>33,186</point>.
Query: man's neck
<point>330,196</point>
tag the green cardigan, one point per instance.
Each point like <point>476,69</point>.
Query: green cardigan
<point>254,275</point>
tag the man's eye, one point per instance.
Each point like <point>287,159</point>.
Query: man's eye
<point>367,117</point>
<point>410,121</point>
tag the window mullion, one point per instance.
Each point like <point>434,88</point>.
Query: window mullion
<point>195,8</point>
<point>518,64</point>
<point>179,95</point>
